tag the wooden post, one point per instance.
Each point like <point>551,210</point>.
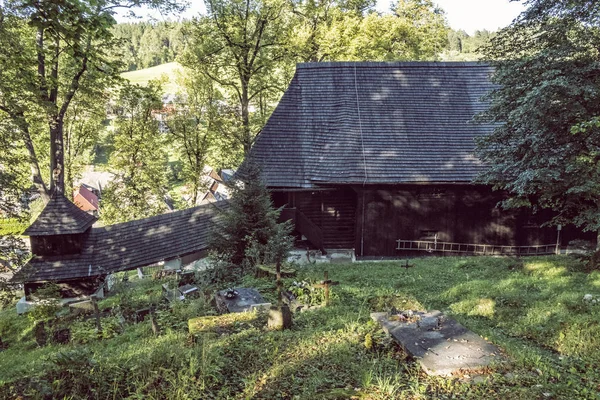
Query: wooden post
<point>325,285</point>
<point>326,279</point>
<point>155,327</point>
<point>97,315</point>
<point>278,270</point>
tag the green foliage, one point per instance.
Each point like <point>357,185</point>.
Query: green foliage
<point>464,47</point>
<point>544,150</point>
<point>340,31</point>
<point>55,55</point>
<point>83,332</point>
<point>12,226</point>
<point>139,157</point>
<point>147,44</point>
<point>240,46</point>
<point>13,252</point>
<point>306,293</point>
<point>47,303</point>
<point>196,117</point>
<point>83,122</point>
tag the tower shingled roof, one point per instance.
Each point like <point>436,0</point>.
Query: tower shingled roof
<point>60,217</point>
<point>129,245</point>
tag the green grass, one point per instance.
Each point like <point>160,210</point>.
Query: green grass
<point>168,71</point>
<point>532,308</point>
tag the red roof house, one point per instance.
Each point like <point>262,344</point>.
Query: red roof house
<point>85,199</point>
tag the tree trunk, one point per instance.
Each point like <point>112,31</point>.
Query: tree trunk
<point>57,156</point>
<point>279,296</point>
<point>246,138</point>
<point>34,166</point>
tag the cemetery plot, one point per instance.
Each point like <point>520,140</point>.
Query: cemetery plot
<point>235,300</point>
<point>442,346</point>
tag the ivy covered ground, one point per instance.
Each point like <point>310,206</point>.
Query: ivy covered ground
<point>533,308</point>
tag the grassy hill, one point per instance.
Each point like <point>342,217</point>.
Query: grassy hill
<point>168,70</point>
<point>532,308</point>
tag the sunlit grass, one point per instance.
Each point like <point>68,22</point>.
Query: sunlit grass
<point>531,308</point>
<point>167,71</point>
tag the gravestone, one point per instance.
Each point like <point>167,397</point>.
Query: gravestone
<point>442,346</point>
<point>280,318</point>
<point>140,315</point>
<point>39,331</point>
<point>239,300</point>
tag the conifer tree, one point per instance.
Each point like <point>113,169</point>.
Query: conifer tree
<point>248,232</point>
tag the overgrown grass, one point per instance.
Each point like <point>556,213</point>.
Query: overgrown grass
<point>532,308</point>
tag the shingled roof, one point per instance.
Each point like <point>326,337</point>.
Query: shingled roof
<point>60,217</point>
<point>375,123</point>
<point>128,245</point>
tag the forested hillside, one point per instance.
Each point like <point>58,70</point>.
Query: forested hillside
<point>147,44</point>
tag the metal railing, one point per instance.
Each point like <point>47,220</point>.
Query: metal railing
<point>480,249</point>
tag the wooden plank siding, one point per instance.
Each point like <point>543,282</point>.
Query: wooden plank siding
<point>332,211</point>
<point>452,213</point>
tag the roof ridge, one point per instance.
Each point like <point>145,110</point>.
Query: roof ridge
<point>391,64</point>
<point>203,208</point>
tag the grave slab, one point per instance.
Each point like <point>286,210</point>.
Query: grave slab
<point>442,346</point>
<point>239,300</point>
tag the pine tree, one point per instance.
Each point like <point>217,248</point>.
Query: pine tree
<point>248,232</point>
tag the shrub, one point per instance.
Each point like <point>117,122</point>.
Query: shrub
<point>47,304</point>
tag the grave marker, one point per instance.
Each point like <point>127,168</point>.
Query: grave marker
<point>442,346</point>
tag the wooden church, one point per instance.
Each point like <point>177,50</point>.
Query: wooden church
<point>371,155</point>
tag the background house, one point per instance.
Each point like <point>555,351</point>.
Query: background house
<point>216,181</point>
<point>366,154</point>
<point>86,200</point>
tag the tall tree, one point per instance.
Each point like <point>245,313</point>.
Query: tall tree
<point>49,51</point>
<point>139,158</point>
<point>545,150</point>
<point>248,230</point>
<point>315,21</point>
<point>240,45</point>
<point>83,123</point>
<point>195,117</point>
<point>340,31</point>
<point>13,181</point>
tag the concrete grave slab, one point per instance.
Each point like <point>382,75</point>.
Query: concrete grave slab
<point>239,300</point>
<point>442,346</point>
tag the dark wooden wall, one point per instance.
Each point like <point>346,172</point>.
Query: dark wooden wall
<point>56,245</point>
<point>333,211</point>
<point>456,213</point>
